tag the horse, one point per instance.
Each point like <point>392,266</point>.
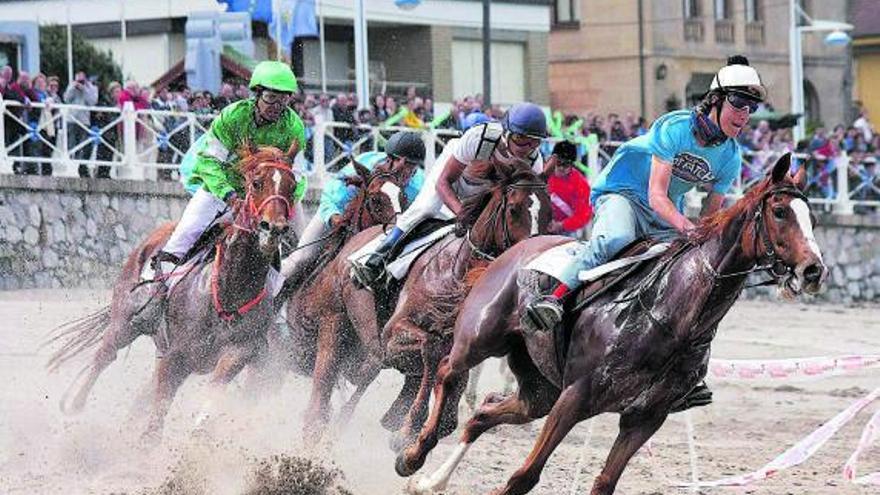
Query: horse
<point>375,203</point>
<point>351,337</point>
<point>634,348</point>
<point>218,312</point>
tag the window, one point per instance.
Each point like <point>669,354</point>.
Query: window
<point>691,9</point>
<point>753,11</point>
<point>508,70</point>
<point>566,12</point>
<point>722,10</point>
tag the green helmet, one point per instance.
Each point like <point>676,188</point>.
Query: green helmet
<point>273,75</point>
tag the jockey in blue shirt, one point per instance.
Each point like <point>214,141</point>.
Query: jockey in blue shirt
<point>641,192</point>
<point>404,150</point>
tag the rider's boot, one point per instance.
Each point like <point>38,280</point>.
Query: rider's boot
<point>699,396</point>
<point>153,275</point>
<point>368,273</point>
<point>545,312</point>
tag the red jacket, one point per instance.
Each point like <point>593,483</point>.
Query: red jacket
<point>571,200</point>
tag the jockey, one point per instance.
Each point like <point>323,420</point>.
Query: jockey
<point>405,156</point>
<point>456,175</point>
<point>641,192</point>
<point>263,120</point>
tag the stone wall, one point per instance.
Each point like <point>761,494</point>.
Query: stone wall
<point>68,232</point>
<point>65,232</point>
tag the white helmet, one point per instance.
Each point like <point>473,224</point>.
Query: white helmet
<point>739,76</point>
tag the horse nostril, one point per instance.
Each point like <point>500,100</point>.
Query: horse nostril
<point>813,273</point>
<point>264,225</point>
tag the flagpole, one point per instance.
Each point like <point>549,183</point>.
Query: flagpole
<point>361,59</point>
<point>276,12</point>
<point>323,53</point>
<point>122,50</point>
<point>69,44</point>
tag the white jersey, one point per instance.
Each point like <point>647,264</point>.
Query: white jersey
<point>468,149</point>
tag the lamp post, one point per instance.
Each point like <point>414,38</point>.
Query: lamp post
<point>796,60</point>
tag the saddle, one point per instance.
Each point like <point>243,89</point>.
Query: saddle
<point>422,229</point>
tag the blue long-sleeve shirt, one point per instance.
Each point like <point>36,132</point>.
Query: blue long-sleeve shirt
<point>337,194</point>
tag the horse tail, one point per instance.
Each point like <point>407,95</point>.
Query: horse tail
<point>77,336</point>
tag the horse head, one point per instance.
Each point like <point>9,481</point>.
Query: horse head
<point>271,184</point>
<point>516,208</point>
<point>777,230</point>
<point>380,197</point>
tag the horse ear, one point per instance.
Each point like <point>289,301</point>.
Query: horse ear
<point>361,170</point>
<point>781,168</point>
<point>292,151</point>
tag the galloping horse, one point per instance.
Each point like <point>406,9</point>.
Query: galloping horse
<point>635,350</point>
<point>218,312</point>
<point>373,204</point>
<point>350,335</point>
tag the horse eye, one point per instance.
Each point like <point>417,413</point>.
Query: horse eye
<point>258,184</point>
<point>780,213</point>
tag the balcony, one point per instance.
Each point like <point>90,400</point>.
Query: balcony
<point>755,33</point>
<point>724,31</point>
<point>693,30</point>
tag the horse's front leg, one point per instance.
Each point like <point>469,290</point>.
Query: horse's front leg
<point>323,378</point>
<point>170,373</point>
<point>232,360</point>
<point>634,432</point>
<point>567,412</point>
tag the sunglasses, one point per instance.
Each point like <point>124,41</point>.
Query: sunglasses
<point>273,98</point>
<point>524,140</point>
<point>742,102</point>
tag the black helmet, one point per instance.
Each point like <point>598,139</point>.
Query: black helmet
<point>408,145</point>
<point>566,150</point>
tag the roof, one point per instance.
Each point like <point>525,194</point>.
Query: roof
<point>231,61</point>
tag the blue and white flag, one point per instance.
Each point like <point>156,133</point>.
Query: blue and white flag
<point>260,10</point>
<point>297,18</point>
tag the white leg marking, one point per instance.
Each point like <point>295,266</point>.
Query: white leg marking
<point>440,478</point>
<point>802,213</point>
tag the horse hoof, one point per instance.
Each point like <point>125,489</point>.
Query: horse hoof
<point>402,468</point>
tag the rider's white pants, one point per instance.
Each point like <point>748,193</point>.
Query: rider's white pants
<point>428,203</point>
<point>201,210</point>
<point>307,249</point>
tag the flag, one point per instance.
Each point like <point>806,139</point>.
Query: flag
<point>297,18</point>
<point>260,10</point>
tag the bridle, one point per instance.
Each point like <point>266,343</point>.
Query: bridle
<point>498,216</point>
<point>255,210</point>
<point>772,264</point>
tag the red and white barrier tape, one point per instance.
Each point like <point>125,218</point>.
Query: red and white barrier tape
<point>776,369</point>
<point>808,446</point>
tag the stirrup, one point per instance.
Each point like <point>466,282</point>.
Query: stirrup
<point>364,275</point>
<point>699,396</point>
<point>160,264</point>
<point>543,314</point>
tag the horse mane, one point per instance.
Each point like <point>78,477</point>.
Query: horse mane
<point>715,224</point>
<point>251,158</point>
<point>473,206</point>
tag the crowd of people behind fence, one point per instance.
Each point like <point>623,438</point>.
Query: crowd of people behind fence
<point>163,137</point>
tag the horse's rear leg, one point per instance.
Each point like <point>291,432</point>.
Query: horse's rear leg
<point>364,377</point>
<point>392,420</point>
<point>432,352</point>
<point>633,434</point>
<point>169,375</point>
<point>118,336</point>
<point>229,365</point>
<point>323,379</point>
<point>567,412</point>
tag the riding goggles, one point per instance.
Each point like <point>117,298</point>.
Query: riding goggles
<point>741,102</point>
<point>525,140</point>
<point>270,97</point>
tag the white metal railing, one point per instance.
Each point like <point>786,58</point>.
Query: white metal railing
<point>138,144</point>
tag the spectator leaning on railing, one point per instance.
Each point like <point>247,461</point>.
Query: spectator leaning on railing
<point>82,92</point>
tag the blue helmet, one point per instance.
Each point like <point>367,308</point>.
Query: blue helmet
<point>525,118</point>
<point>474,118</point>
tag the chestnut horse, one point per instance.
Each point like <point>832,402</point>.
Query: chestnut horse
<point>218,312</point>
<point>348,319</point>
<point>371,205</point>
<point>635,350</point>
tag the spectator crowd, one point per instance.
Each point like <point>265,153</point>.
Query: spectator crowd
<point>33,132</point>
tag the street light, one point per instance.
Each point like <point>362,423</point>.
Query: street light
<point>837,37</point>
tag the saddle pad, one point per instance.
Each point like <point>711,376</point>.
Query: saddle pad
<point>565,262</point>
<point>400,266</point>
<point>274,279</point>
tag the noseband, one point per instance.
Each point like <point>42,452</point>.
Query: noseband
<point>255,209</point>
<point>499,213</point>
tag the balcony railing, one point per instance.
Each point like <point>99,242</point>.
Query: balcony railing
<point>693,30</point>
<point>724,31</point>
<point>755,33</point>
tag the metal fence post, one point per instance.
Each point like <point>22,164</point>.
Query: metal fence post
<point>429,137</point>
<point>5,164</point>
<point>318,154</point>
<point>843,205</point>
<point>128,170</point>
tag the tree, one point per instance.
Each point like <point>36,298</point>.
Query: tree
<point>87,58</point>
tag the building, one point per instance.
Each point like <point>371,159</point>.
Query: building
<point>865,16</point>
<point>406,47</point>
<point>597,62</point>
